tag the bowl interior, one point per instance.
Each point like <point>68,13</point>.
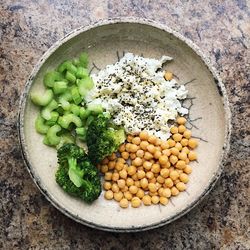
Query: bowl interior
<point>104,45</point>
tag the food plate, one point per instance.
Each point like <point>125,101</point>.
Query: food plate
<point>209,118</point>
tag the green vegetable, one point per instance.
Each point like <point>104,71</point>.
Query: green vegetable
<point>46,111</point>
<point>81,72</point>
<point>76,96</point>
<point>84,60</point>
<point>84,113</point>
<point>40,125</point>
<point>52,136</point>
<point>64,100</point>
<point>75,109</point>
<point>50,78</point>
<point>76,174</point>
<point>70,77</point>
<point>76,62</point>
<point>60,87</point>
<point>52,121</point>
<point>95,108</point>
<point>42,100</point>
<point>103,138</point>
<point>81,87</point>
<point>67,65</point>
<point>81,132</point>
<point>86,83</point>
<point>65,120</point>
<point>65,139</point>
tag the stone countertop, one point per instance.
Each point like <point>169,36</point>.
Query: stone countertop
<point>220,28</point>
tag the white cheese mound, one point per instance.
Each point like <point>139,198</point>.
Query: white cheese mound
<point>136,94</point>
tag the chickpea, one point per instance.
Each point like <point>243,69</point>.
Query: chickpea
<point>123,203</point>
<point>129,138</point>
<point>188,169</point>
<point>137,184</point>
<point>148,156</point>
<point>152,139</point>
<point>174,130</point>
<point>112,157</point>
<point>153,180</point>
<point>133,148</point>
<point>192,143</point>
<point>157,154</point>
<point>111,165</point>
<point>133,189</point>
<point>108,176</point>
<point>119,166</point>
<point>132,156</point>
<point>176,181</point>
<point>151,148</point>
<point>163,200</point>
<point>163,160</point>
<point>123,174</point>
<point>121,148</point>
<point>150,175</point>
<point>174,191</point>
<point>136,140</point>
<point>192,156</point>
<point>121,183</point>
<point>158,142</point>
<point>179,171</point>
<point>171,143</point>
<point>115,188</point>
<point>147,165</point>
<point>129,182</point>
<point>155,199</point>
<point>187,161</point>
<point>125,189</point>
<point>131,170</point>
<point>118,196</point>
<point>158,185</point>
<point>181,129</point>
<point>137,162</point>
<point>182,156</point>
<point>135,202</point>
<point>107,185</point>
<point>105,161</point>
<point>141,174</point>
<point>174,151</point>
<point>181,120</point>
<point>160,179</point>
<point>152,187</point>
<point>166,192</point>
<point>108,195</point>
<point>184,142</point>
<point>166,152</point>
<point>173,159</point>
<point>169,183</point>
<point>185,149</point>
<point>128,195</point>
<point>146,200</point>
<point>180,164</point>
<point>125,155</point>
<point>174,175</point>
<point>144,135</point>
<point>143,145</point>
<point>168,76</point>
<point>127,147</point>
<point>184,178</point>
<point>156,168</point>
<point>164,172</point>
<point>181,186</point>
<point>164,145</point>
<point>140,153</point>
<point>125,167</point>
<point>178,146</point>
<point>140,193</point>
<point>104,169</point>
<point>177,137</point>
<point>187,134</point>
<point>135,177</point>
<point>120,160</point>
<point>144,183</point>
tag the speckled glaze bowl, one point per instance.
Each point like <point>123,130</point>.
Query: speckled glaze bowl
<point>209,119</point>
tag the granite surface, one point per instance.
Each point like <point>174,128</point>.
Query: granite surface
<point>221,29</point>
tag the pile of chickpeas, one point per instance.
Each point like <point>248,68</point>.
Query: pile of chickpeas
<point>149,170</point>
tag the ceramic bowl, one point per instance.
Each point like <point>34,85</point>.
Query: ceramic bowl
<point>209,119</point>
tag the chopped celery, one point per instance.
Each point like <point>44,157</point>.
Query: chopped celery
<point>81,72</point>
<point>84,113</point>
<point>81,87</point>
<point>75,109</point>
<point>60,87</point>
<point>52,136</point>
<point>81,132</point>
<point>65,121</point>
<point>46,111</point>
<point>50,78</point>
<point>89,120</point>
<point>84,60</point>
<point>64,100</point>
<point>87,82</point>
<point>52,121</point>
<point>76,96</point>
<point>42,100</point>
<point>66,138</point>
<point>76,62</point>
<point>67,65</point>
<point>70,77</point>
<point>95,108</point>
<point>40,125</point>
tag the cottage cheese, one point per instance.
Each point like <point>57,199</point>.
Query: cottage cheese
<point>136,94</point>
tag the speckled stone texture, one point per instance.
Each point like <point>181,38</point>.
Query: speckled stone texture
<point>29,28</point>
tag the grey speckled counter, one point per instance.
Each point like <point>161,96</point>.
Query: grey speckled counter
<point>29,28</point>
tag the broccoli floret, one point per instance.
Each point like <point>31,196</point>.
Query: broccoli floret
<point>76,174</point>
<point>103,138</point>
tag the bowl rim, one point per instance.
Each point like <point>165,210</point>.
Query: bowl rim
<point>132,20</point>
